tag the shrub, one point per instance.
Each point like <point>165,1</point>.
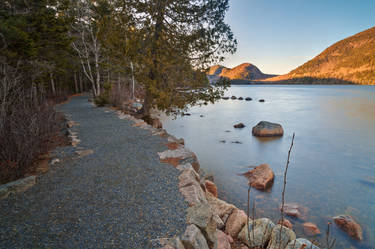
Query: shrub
<point>103,98</point>
<point>26,133</point>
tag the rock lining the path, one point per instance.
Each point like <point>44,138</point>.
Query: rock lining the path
<point>17,187</point>
<point>193,238</point>
<point>211,187</point>
<point>259,232</point>
<point>83,153</point>
<point>280,240</point>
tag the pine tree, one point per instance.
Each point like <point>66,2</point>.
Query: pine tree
<point>34,39</point>
<point>179,39</point>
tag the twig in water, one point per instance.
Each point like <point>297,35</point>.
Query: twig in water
<point>253,221</point>
<point>329,243</point>
<point>248,212</point>
<point>284,187</point>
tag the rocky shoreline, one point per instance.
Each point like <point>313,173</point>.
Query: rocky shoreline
<point>211,222</point>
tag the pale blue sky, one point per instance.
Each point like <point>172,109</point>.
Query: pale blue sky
<point>279,35</point>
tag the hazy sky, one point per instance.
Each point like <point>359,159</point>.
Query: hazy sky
<point>279,35</point>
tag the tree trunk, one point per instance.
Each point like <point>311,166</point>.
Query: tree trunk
<point>75,82</point>
<point>147,104</point>
<point>148,101</point>
<point>52,85</point>
<point>94,92</point>
<point>131,65</point>
<point>97,69</point>
<point>80,83</point>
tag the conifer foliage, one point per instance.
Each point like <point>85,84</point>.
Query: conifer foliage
<point>179,40</point>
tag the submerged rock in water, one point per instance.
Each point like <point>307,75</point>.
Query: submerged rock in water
<point>350,226</point>
<point>239,125</point>
<point>236,142</point>
<point>310,229</point>
<point>267,129</point>
<point>261,177</point>
<point>370,180</point>
<point>291,211</point>
<point>286,223</point>
<point>295,210</point>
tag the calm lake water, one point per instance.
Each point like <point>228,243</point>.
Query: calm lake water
<point>331,163</point>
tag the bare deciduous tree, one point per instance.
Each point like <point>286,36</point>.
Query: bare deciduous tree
<point>9,87</point>
<point>87,44</point>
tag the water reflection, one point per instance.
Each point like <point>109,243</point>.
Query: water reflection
<point>334,150</point>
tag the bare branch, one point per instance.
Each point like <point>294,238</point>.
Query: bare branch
<point>284,188</point>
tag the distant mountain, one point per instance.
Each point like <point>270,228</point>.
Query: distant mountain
<point>351,60</point>
<point>243,73</point>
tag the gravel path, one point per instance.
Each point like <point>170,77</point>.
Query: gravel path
<point>120,196</point>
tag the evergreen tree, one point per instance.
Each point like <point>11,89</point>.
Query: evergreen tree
<point>34,39</point>
<point>179,39</point>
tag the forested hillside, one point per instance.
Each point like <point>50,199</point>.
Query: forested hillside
<point>351,60</point>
